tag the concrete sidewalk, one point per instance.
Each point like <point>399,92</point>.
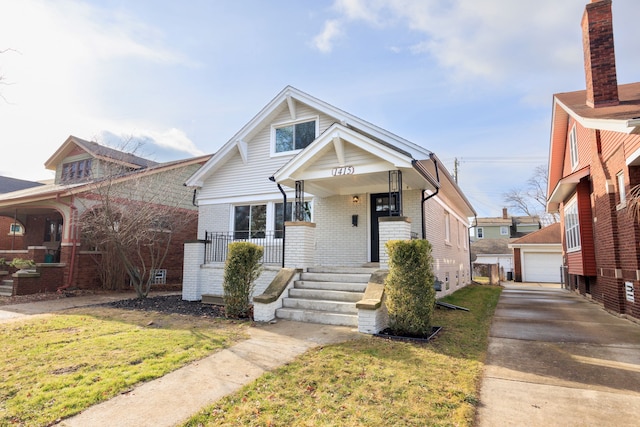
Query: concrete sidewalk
<point>556,359</point>
<point>173,398</point>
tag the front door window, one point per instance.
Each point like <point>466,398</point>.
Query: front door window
<point>381,205</point>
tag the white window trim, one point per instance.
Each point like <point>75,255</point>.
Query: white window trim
<point>16,233</point>
<point>506,228</point>
<point>271,212</point>
<point>275,126</point>
<point>572,231</point>
<point>573,147</point>
<point>478,232</point>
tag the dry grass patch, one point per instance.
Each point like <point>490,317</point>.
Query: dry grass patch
<point>56,365</point>
<point>373,381</point>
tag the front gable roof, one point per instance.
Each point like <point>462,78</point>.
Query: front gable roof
<point>345,147</point>
<point>623,118</point>
<point>286,100</point>
<point>73,143</point>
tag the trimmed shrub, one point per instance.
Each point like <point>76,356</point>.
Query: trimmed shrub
<point>241,270</point>
<point>409,287</point>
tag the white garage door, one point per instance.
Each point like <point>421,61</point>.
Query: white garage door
<point>541,267</point>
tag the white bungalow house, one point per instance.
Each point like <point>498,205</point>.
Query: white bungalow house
<point>322,191</point>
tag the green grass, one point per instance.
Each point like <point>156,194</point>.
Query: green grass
<point>55,366</point>
<point>373,381</point>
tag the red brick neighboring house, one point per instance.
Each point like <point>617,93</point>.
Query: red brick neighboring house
<point>11,229</point>
<point>50,215</point>
<point>594,161</point>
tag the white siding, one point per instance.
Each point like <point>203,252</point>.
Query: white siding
<point>235,178</point>
<point>451,261</point>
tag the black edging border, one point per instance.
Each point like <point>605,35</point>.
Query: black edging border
<point>434,331</point>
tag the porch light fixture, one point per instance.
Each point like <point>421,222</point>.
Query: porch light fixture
<point>356,199</point>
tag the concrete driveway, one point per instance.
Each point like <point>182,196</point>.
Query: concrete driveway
<point>557,359</point>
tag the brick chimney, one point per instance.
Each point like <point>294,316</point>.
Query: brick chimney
<point>504,213</point>
<point>599,54</point>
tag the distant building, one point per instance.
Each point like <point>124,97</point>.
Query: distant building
<point>492,235</point>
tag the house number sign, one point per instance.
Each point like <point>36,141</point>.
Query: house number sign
<point>343,170</point>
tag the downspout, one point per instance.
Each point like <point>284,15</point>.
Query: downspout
<point>418,167</point>
<point>284,204</point>
<point>73,231</point>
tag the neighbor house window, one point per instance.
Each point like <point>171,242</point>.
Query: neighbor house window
<point>295,136</point>
<point>76,171</point>
<point>250,221</point>
<point>504,230</point>
<point>16,229</point>
<point>572,226</point>
<point>621,189</point>
<point>480,232</point>
<point>573,147</point>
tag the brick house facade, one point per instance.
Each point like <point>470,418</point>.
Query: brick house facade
<point>51,215</point>
<point>594,163</point>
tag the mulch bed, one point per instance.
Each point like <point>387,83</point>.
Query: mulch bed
<point>173,304</point>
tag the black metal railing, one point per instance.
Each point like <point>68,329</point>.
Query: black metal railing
<point>216,246</point>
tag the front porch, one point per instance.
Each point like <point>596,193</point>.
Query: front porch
<point>298,288</point>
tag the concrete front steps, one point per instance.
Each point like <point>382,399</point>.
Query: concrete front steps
<point>326,295</point>
<point>6,288</point>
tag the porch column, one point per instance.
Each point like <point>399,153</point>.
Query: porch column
<point>299,247</point>
<point>191,270</point>
<point>391,228</point>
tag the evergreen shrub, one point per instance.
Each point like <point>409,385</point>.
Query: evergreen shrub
<point>409,287</point>
<point>241,270</point>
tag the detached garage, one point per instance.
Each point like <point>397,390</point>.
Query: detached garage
<point>538,256</point>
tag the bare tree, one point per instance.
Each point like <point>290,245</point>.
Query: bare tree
<point>3,80</point>
<point>132,218</point>
<point>532,199</point>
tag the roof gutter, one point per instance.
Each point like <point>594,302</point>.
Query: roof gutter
<point>426,175</point>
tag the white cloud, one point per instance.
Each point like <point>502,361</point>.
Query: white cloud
<point>324,41</point>
<point>64,53</point>
<point>486,39</point>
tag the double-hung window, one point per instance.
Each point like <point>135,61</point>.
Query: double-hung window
<point>479,232</point>
<point>573,147</point>
<point>504,230</point>
<point>295,136</point>
<point>250,221</point>
<point>572,226</point>
<point>76,171</point>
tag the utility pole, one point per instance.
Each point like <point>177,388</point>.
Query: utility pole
<point>455,169</point>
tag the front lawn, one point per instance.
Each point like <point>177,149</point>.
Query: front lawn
<point>373,381</point>
<point>54,366</point>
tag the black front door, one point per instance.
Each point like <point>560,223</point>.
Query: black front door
<point>380,206</point>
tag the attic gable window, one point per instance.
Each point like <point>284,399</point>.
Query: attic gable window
<point>294,136</point>
<point>76,171</point>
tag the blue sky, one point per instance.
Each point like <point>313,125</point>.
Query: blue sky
<point>467,79</point>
